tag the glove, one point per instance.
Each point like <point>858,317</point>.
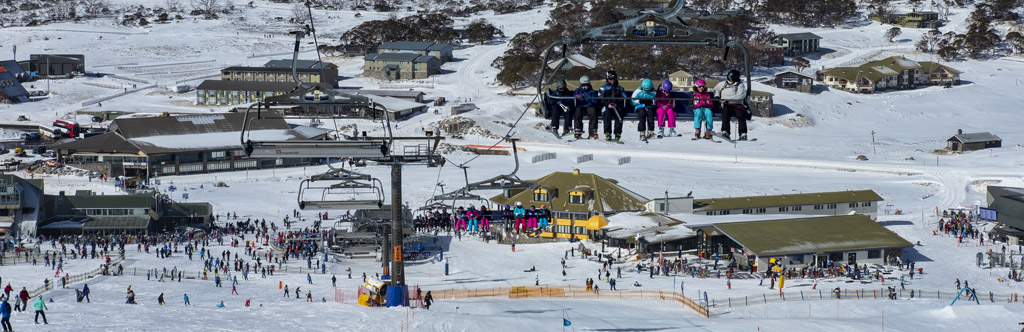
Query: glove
<point>647,102</point>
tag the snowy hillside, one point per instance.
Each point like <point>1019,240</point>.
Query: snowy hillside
<point>812,146</point>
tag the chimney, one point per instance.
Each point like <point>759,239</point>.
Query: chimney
<point>575,171</point>
<point>959,131</point>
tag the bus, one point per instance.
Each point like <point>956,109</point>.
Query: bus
<point>67,128</point>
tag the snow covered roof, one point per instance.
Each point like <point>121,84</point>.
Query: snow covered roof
<point>394,104</point>
<point>653,227</point>
<point>287,63</point>
<point>208,141</point>
<point>401,57</point>
<point>811,235</point>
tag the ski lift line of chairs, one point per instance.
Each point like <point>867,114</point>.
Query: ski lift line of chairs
<point>670,30</point>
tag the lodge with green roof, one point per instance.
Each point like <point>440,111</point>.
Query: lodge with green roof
<point>825,203</point>
<point>579,202</point>
<point>895,72</point>
<point>816,241</point>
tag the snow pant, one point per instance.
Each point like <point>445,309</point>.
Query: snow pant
<point>460,224</point>
<point>543,222</point>
<point>729,111</point>
<point>611,119</point>
<point>486,224</point>
<point>703,114</point>
<point>557,112</point>
<point>520,222</point>
<point>645,119</point>
<point>6,323</point>
<point>532,222</point>
<point>40,312</point>
<point>666,114</point>
<point>591,113</point>
<point>474,225</point>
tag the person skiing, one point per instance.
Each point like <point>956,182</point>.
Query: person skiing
<point>585,106</point>
<point>733,94</point>
<point>702,109</point>
<point>643,105</point>
<point>40,305</point>
<point>186,300</point>
<point>5,315</point>
<point>427,300</point>
<point>24,296</point>
<point>334,281</point>
<point>561,107</point>
<point>614,106</point>
<point>665,109</point>
<point>160,299</point>
<point>309,278</point>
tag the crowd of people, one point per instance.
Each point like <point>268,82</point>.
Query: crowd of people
<point>611,104</point>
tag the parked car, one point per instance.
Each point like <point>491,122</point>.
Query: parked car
<point>49,154</point>
<point>31,136</point>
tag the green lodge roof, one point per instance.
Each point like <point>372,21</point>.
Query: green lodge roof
<point>600,194</point>
<point>731,203</point>
<point>812,235</point>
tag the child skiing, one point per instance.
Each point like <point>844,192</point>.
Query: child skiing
<point>702,109</point>
<point>666,109</point>
<point>614,107</point>
<point>643,104</point>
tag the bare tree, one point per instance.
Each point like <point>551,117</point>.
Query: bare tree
<point>206,7</point>
<point>299,14</point>
<point>173,5</point>
<point>892,33</point>
<point>800,63</point>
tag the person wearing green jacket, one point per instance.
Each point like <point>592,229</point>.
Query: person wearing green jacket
<point>40,305</point>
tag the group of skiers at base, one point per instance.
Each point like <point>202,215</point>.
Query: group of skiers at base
<point>6,309</point>
<point>611,104</point>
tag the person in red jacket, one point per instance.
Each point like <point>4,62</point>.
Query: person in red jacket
<point>24,298</point>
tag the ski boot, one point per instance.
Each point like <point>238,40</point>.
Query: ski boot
<point>743,137</point>
<point>661,131</point>
<point>608,137</point>
<point>672,132</point>
<point>566,133</point>
<point>707,134</point>
<point>696,134</point>
<point>577,135</point>
<point>618,138</point>
<point>650,133</point>
<point>594,136</point>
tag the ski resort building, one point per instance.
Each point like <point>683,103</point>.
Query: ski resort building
<point>971,142</point>
<point>915,19</point>
<point>20,202</point>
<point>816,241</point>
<point>796,81</point>
<point>55,64</point>
<point>86,212</point>
<point>187,144</point>
<point>826,203</point>
<point>442,52</point>
<point>1009,205</point>
<point>895,72</point>
<point>220,92</point>
<point>798,43</point>
<point>328,74</point>
<point>579,202</point>
<point>400,66</point>
<point>11,90</point>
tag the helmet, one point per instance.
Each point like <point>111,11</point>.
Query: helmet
<point>584,79</point>
<point>611,75</point>
<point>734,76</point>
<point>519,203</point>
<point>666,85</point>
<point>543,206</point>
<point>560,84</point>
<point>700,83</point>
<point>647,85</point>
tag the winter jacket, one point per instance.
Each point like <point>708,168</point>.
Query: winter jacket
<point>611,91</point>
<point>662,99</point>
<point>561,93</point>
<point>519,212</point>
<point>702,99</point>
<point>85,290</point>
<point>642,98</point>
<point>5,309</point>
<point>23,295</point>
<point>585,96</point>
<point>731,93</point>
<point>39,304</point>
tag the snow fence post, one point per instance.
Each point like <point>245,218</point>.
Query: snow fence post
<point>802,295</point>
<point>765,297</point>
<point>730,302</point>
<point>783,295</point>
<point>745,301</point>
<point>820,297</point>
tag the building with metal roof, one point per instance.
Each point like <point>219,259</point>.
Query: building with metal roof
<point>1009,205</point>
<point>220,92</point>
<point>892,72</point>
<point>972,141</point>
<point>798,43</point>
<point>400,66</point>
<point>327,75</point>
<point>824,203</point>
<point>172,145</point>
<point>308,64</point>
<point>20,202</point>
<point>815,241</point>
<point>140,213</point>
<point>56,64</point>
<point>442,52</point>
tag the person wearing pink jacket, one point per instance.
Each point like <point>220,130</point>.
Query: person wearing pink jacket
<point>702,103</point>
<point>666,109</point>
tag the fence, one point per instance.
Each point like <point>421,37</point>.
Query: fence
<point>525,292</point>
<point>584,158</point>
<point>73,279</point>
<point>543,157</point>
<point>115,95</point>
<point>856,294</point>
<point>625,160</point>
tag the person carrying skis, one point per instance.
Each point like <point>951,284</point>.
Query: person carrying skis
<point>702,109</point>
<point>585,106</point>
<point>614,106</point>
<point>665,109</point>
<point>561,107</point>
<point>643,104</point>
<point>733,94</point>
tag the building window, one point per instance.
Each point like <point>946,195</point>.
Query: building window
<point>853,205</point>
<point>866,204</point>
<point>819,206</point>
<point>783,208</point>
<point>540,195</point>
<point>877,253</point>
<point>761,210</point>
<point>746,211</point>
<point>831,206</point>
<point>798,208</point>
<point>575,197</point>
<point>218,154</point>
<point>190,168</point>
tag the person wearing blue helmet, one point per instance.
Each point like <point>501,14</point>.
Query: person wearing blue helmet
<point>643,104</point>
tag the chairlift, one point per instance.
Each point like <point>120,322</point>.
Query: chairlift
<point>362,195</point>
<point>650,28</point>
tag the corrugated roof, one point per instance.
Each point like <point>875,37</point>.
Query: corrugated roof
<point>12,66</point>
<point>287,63</point>
<point>246,86</point>
<point>812,235</point>
<point>405,57</point>
<point>81,200</point>
<point>118,222</point>
<point>602,195</point>
<point>855,73</point>
<point>388,93</point>
<point>272,69</point>
<point>975,137</point>
<point>108,142</point>
<point>896,63</point>
<point>133,128</point>
<point>407,45</point>
<point>731,203</point>
<point>799,36</point>
<point>794,72</point>
<point>14,91</point>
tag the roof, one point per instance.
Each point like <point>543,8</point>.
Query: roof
<point>680,73</point>
<point>133,128</point>
<point>409,45</point>
<point>794,72</point>
<point>855,73</point>
<point>395,104</point>
<point>1009,202</point>
<point>108,142</point>
<point>975,138</point>
<point>14,91</point>
<point>798,36</point>
<point>731,203</point>
<point>245,85</point>
<point>653,227</point>
<point>403,57</point>
<point>287,63</point>
<point>85,199</point>
<point>931,67</point>
<point>272,69</point>
<point>12,67</point>
<point>811,235</point>
<point>389,93</point>
<point>117,222</point>
<point>896,63</point>
<point>603,195</point>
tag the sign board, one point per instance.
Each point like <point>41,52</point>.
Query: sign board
<point>987,214</point>
<point>184,195</point>
<point>398,254</point>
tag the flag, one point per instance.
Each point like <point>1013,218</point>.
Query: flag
<point>566,322</point>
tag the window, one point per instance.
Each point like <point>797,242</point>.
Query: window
<point>540,195</point>
<point>783,208</point>
<point>798,208</point>
<point>866,204</point>
<point>853,205</point>
<point>746,211</point>
<point>761,210</point>
<point>877,253</point>
<point>190,168</point>
<point>575,197</point>
<point>218,154</point>
<point>819,206</point>
<point>831,206</point>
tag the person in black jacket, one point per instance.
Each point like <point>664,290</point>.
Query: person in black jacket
<point>614,106</point>
<point>561,107</point>
<point>427,300</point>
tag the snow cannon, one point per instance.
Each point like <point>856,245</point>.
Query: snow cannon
<point>372,296</point>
